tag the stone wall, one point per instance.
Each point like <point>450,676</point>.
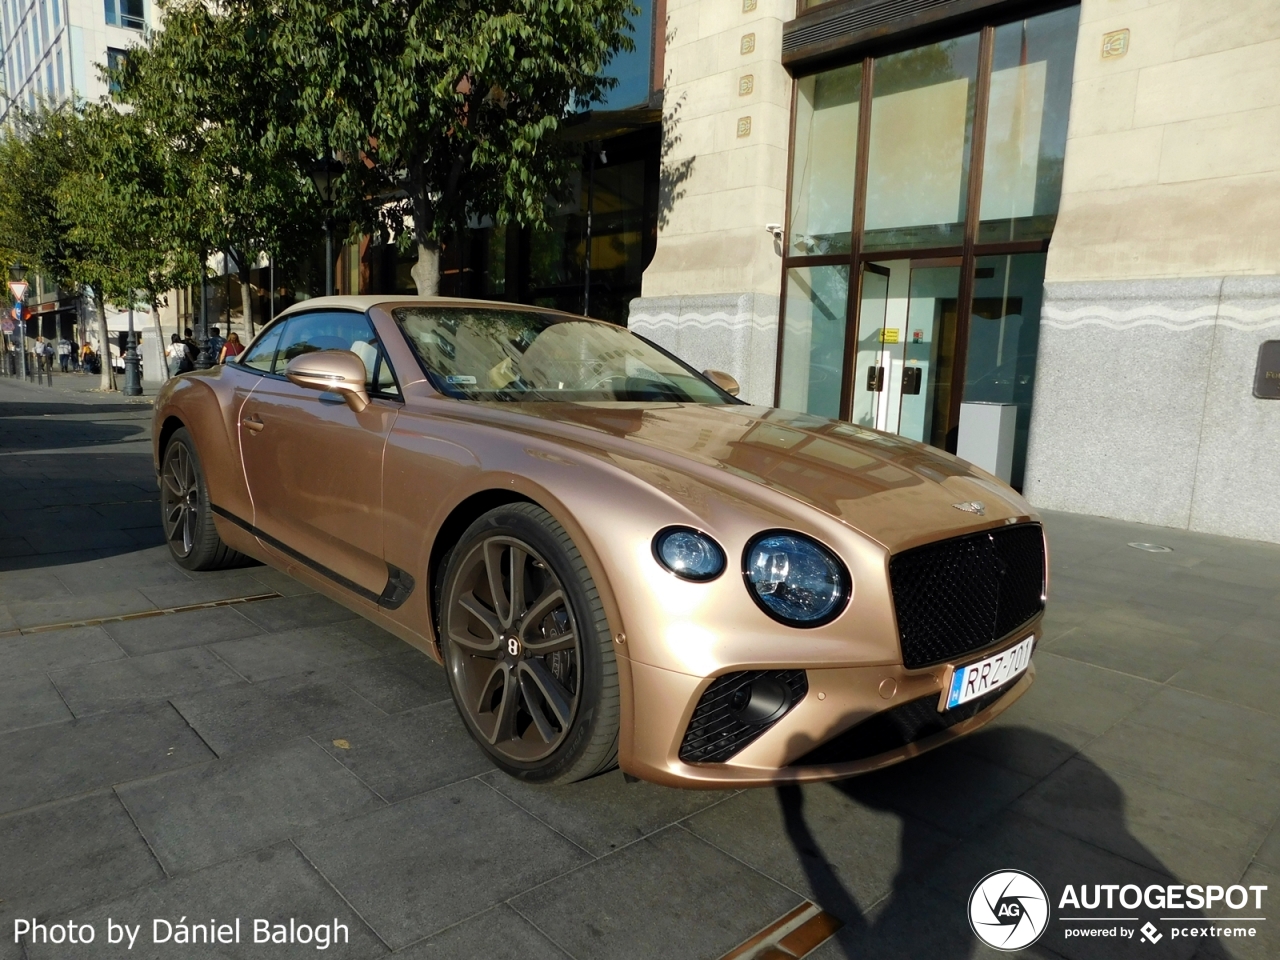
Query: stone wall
<point>1163,275</point>
<point>736,333</point>
<point>727,115</point>
<point>1144,406</point>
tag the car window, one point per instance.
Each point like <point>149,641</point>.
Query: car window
<point>487,354</point>
<point>262,354</point>
<point>338,330</point>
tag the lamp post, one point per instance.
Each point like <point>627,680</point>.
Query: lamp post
<point>18,286</point>
<point>203,359</point>
<point>132,375</point>
<point>324,172</point>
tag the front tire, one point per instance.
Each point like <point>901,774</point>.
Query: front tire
<point>527,648</point>
<point>184,510</point>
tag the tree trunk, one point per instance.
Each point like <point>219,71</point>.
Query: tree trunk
<point>108,379</point>
<point>246,304</point>
<point>426,272</point>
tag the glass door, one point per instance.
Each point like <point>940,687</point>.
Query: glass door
<point>905,358</point>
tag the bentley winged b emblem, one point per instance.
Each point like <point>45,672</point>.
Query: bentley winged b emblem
<point>972,506</point>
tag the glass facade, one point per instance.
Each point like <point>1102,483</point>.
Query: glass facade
<point>813,345</point>
<point>1027,126</point>
<point>918,159</point>
<point>589,259</point>
<point>823,167</point>
<point>944,241</point>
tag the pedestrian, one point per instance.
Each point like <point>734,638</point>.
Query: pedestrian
<point>178,355</point>
<point>44,354</point>
<point>215,343</point>
<point>86,355</point>
<point>232,348</point>
<point>64,354</point>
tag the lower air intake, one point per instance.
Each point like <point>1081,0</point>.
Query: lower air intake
<point>736,709</point>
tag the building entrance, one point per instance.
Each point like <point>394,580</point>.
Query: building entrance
<point>906,347</point>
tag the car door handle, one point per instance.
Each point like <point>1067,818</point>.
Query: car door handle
<point>253,423</point>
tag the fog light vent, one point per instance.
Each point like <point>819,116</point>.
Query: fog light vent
<point>736,709</point>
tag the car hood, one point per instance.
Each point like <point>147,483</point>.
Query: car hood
<point>896,491</point>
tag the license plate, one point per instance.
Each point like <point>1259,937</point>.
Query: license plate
<point>986,675</point>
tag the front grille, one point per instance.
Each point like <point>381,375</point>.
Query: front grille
<point>717,731</point>
<point>894,728</point>
<point>959,595</point>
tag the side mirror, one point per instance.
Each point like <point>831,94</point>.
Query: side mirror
<point>338,371</point>
<point>722,380</point>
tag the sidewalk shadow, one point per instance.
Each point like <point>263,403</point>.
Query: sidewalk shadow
<point>924,915</point>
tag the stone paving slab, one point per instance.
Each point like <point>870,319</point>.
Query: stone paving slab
<point>633,902</point>
<point>69,855</point>
<point>284,758</point>
<point>274,884</point>
<point>409,753</point>
<point>76,756</point>
<point>201,815</point>
<point>422,865</point>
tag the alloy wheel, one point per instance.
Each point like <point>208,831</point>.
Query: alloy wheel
<point>514,649</point>
<point>179,499</point>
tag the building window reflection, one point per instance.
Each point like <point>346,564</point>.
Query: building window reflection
<point>1027,126</point>
<point>921,128</point>
<point>826,145</point>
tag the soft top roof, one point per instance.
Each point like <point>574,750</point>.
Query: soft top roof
<point>388,300</point>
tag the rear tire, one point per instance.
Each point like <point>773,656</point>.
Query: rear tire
<point>531,668</point>
<point>185,513</point>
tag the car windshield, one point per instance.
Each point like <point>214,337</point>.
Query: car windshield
<point>482,354</point>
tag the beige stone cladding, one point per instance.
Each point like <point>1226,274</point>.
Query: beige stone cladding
<point>1163,276</point>
<point>711,292</point>
<point>1173,153</point>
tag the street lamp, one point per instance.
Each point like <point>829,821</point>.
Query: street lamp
<point>17,274</point>
<point>324,172</point>
<point>203,358</point>
<point>132,375</point>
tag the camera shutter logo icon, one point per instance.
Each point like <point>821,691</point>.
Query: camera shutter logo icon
<point>1008,910</point>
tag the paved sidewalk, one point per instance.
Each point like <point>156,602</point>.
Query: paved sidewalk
<point>269,755</point>
<point>80,384</point>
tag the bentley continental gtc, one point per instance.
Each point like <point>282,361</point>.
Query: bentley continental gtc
<point>616,560</point>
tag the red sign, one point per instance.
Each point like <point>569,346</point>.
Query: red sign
<point>18,290</point>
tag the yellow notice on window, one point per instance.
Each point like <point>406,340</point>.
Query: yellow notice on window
<point>889,335</point>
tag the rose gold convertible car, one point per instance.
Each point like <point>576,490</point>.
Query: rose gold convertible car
<point>617,561</point>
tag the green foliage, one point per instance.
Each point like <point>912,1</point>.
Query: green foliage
<point>444,110</point>
<point>81,199</point>
<point>204,87</point>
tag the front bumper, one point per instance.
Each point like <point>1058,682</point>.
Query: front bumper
<point>838,700</point>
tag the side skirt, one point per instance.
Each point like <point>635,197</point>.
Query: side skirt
<point>399,583</point>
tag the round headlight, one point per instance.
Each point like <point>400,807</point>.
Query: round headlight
<point>689,554</point>
<point>795,579</point>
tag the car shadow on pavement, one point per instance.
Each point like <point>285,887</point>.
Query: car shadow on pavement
<point>1069,838</point>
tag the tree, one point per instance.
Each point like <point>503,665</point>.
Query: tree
<point>83,198</point>
<point>127,237</point>
<point>41,151</point>
<point>208,89</point>
<point>442,110</point>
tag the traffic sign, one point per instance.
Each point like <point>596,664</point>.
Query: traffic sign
<point>7,326</point>
<point>18,290</point>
